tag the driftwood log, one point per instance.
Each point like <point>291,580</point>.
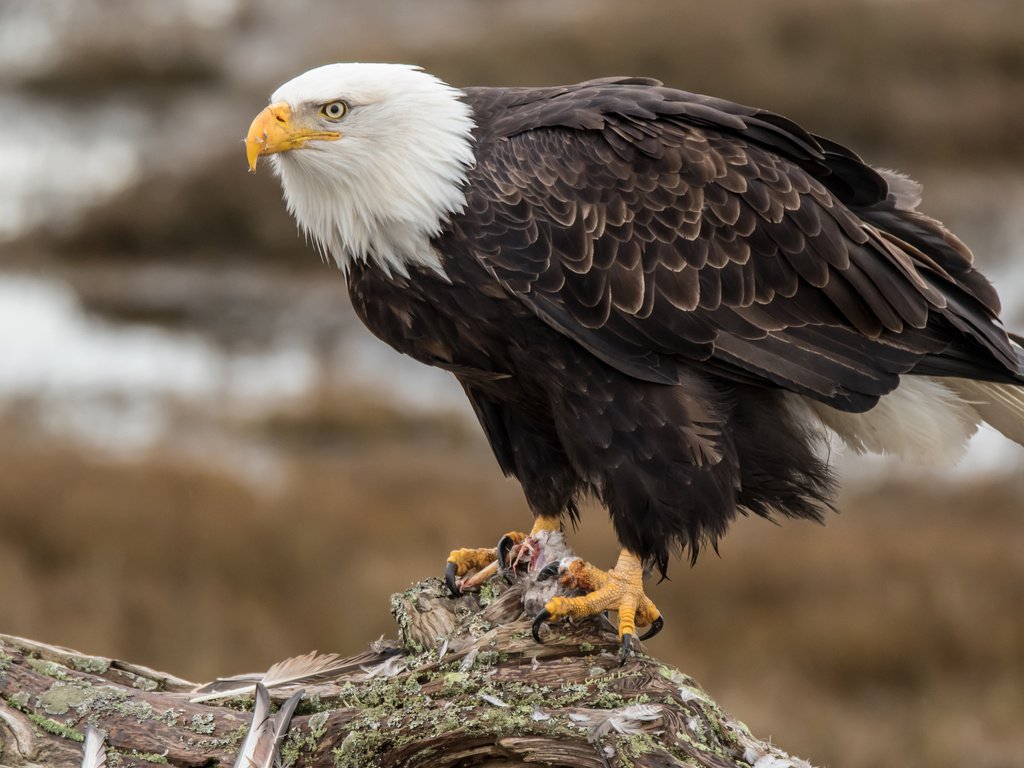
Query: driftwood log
<point>463,684</point>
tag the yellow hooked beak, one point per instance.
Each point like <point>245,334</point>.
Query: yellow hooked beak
<point>275,130</point>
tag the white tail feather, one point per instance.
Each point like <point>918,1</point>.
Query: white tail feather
<point>1001,405</point>
<point>923,420</point>
<point>929,420</point>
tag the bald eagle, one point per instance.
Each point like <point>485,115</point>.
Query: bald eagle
<point>662,300</point>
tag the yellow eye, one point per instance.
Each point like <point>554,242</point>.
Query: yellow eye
<point>335,110</point>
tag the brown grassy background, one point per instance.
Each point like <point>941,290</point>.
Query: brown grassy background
<point>891,637</point>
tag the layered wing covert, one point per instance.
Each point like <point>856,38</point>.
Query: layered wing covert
<point>660,229</point>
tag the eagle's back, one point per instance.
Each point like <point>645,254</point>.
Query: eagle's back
<point>662,229</point>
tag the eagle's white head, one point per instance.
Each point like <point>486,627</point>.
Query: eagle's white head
<point>372,157</point>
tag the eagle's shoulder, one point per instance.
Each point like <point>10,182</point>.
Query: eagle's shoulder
<point>643,109</point>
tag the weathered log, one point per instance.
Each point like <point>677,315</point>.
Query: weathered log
<point>463,684</point>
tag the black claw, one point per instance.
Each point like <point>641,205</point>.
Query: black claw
<point>656,626</point>
<point>627,640</point>
<point>549,571</point>
<point>505,545</point>
<point>538,622</point>
<point>449,579</point>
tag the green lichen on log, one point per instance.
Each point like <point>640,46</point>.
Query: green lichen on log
<point>229,741</point>
<point>49,725</point>
<point>94,665</point>
<point>201,724</point>
<point>62,697</point>
<point>118,756</point>
<point>49,668</point>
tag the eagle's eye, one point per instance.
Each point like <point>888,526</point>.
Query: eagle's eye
<point>335,110</point>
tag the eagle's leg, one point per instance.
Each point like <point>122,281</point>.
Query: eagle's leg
<point>512,548</point>
<point>620,589</point>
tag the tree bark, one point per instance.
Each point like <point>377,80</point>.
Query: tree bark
<point>463,684</point>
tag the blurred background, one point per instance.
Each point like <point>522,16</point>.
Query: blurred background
<point>207,465</point>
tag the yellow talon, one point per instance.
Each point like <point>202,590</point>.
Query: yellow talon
<point>467,560</point>
<point>621,589</point>
<point>462,561</point>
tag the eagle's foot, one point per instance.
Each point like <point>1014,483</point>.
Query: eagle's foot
<point>462,561</point>
<point>516,552</point>
<point>621,589</point>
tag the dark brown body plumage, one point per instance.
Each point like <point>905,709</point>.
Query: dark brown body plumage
<point>640,276</point>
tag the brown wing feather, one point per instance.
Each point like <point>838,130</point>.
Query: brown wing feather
<point>660,229</point>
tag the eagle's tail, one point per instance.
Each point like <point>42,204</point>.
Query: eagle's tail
<point>929,420</point>
<point>1000,405</point>
<point>923,420</point>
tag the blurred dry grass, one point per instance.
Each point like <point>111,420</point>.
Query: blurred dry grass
<point>894,631</point>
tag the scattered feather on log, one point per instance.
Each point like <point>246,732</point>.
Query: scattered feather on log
<point>95,752</point>
<point>263,741</point>
<point>298,669</point>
